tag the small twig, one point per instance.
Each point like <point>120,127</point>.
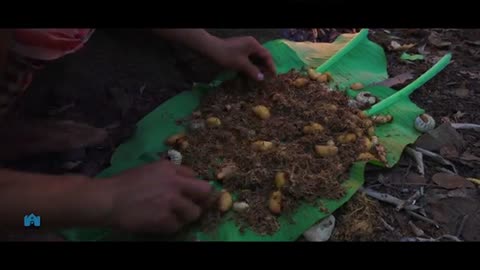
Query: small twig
<point>420,239</point>
<point>422,212</point>
<point>423,218</point>
<point>383,197</point>
<point>388,226</point>
<point>449,237</point>
<point>445,170</point>
<point>417,231</point>
<point>462,224</point>
<point>408,168</point>
<point>406,173</point>
<point>465,126</point>
<point>292,173</point>
<point>381,180</point>
<point>374,185</point>
<point>437,158</point>
<point>400,204</point>
<point>418,157</point>
<point>414,197</point>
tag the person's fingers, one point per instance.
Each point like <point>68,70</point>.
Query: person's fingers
<point>267,59</point>
<point>256,49</point>
<point>186,210</point>
<point>195,189</point>
<point>251,70</point>
<point>186,171</point>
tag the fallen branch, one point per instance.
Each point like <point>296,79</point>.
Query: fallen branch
<point>413,214</point>
<point>437,158</point>
<point>418,157</point>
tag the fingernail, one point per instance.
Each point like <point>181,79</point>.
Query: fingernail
<point>260,76</point>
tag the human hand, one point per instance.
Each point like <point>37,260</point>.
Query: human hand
<point>243,54</point>
<point>160,198</point>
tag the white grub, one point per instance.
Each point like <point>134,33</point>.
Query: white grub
<point>366,98</point>
<point>424,123</point>
<point>240,206</point>
<point>175,156</point>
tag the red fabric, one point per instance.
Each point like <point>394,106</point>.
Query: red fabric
<point>33,47</point>
<point>48,44</point>
<point>53,39</point>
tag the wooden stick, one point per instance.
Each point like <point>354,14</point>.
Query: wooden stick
<point>437,158</point>
<point>465,126</point>
<point>400,204</point>
<point>449,237</point>
<point>418,157</point>
<point>423,218</point>
<point>388,226</point>
<point>417,231</point>
<point>462,224</point>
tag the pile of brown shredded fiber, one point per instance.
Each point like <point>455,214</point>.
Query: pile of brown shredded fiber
<point>275,144</point>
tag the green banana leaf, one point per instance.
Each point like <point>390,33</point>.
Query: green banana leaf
<point>351,58</point>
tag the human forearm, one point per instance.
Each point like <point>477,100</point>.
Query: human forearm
<point>60,201</point>
<point>242,54</point>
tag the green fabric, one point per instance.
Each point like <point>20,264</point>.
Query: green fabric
<point>351,58</point>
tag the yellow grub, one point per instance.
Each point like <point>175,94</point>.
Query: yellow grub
<point>213,122</point>
<point>262,112</point>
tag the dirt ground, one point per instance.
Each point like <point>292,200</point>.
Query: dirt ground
<point>128,73</point>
